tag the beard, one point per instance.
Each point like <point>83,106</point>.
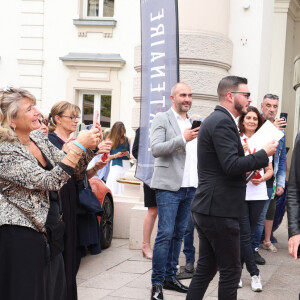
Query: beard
<point>181,108</point>
<point>239,108</point>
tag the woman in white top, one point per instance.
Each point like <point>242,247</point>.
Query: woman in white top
<point>256,195</point>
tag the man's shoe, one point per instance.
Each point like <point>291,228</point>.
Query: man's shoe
<point>189,267</point>
<point>175,285</point>
<point>258,259</point>
<point>156,293</point>
<point>256,283</point>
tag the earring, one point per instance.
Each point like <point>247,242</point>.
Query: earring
<point>14,127</point>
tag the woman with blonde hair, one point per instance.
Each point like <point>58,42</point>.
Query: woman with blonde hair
<point>32,171</point>
<point>119,156</point>
<point>64,117</point>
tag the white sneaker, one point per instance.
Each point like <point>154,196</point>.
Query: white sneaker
<point>240,283</point>
<point>256,283</point>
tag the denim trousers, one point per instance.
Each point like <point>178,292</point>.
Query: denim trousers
<point>219,249</point>
<point>173,214</point>
<point>252,211</point>
<point>261,221</point>
<point>188,242</point>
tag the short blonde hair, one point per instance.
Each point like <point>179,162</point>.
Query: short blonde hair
<point>58,109</point>
<point>10,98</point>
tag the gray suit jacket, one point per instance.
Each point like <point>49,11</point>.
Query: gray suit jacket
<point>168,148</point>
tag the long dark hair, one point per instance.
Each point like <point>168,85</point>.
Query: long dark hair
<point>242,117</point>
<point>117,132</point>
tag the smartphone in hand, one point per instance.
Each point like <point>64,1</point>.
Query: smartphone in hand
<point>96,117</point>
<point>196,123</point>
<point>283,116</point>
<point>104,157</point>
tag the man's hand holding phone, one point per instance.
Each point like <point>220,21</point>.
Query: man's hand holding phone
<point>281,122</point>
<point>190,134</point>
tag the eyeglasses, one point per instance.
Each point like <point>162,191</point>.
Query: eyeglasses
<point>271,96</point>
<point>43,121</point>
<point>247,95</point>
<point>73,118</point>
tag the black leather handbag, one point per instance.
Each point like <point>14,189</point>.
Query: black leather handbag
<point>88,201</point>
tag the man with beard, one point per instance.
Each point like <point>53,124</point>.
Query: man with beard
<point>219,198</point>
<point>174,180</point>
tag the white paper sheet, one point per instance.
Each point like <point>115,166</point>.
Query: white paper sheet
<point>266,133</point>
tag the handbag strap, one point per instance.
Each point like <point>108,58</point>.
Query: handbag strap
<point>85,182</point>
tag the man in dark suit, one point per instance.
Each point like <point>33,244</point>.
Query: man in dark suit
<point>218,201</point>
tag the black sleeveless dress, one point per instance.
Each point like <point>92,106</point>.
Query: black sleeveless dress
<point>27,268</point>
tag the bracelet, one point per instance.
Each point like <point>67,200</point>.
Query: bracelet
<point>72,161</point>
<point>71,149</point>
<point>74,152</point>
<point>79,145</point>
<point>94,169</point>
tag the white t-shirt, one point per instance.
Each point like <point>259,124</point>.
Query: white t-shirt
<point>255,192</point>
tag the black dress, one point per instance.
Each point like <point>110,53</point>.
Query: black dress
<point>149,194</point>
<point>68,196</point>
<point>27,268</point>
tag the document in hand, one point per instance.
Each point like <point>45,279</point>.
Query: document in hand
<point>264,135</point>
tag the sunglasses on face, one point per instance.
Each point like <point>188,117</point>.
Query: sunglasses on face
<point>271,96</point>
<point>43,121</point>
<point>245,94</point>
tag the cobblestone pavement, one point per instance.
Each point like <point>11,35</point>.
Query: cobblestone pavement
<point>121,273</point>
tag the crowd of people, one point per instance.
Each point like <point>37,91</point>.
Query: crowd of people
<point>199,182</point>
<point>43,169</point>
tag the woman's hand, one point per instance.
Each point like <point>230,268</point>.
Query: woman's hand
<point>67,145</point>
<point>245,147</point>
<point>97,125</point>
<point>257,181</point>
<point>126,153</point>
<point>90,138</point>
<point>104,147</point>
<point>101,164</point>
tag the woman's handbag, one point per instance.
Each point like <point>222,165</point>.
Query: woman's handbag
<point>55,237</point>
<point>88,201</point>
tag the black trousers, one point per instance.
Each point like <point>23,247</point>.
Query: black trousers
<point>219,249</point>
<point>252,211</point>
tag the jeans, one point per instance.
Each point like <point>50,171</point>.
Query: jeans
<point>219,249</point>
<point>188,242</point>
<point>252,211</point>
<point>261,221</point>
<point>173,213</point>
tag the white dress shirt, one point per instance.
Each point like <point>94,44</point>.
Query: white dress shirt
<point>190,175</point>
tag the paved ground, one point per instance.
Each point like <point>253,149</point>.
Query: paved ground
<point>121,273</point>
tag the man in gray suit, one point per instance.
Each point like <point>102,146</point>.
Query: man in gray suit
<point>175,181</point>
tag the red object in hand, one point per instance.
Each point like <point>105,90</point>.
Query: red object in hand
<point>104,157</point>
<point>256,175</point>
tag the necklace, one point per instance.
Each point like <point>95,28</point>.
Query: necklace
<point>27,144</point>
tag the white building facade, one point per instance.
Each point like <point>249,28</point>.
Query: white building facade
<point>88,52</point>
<point>80,51</point>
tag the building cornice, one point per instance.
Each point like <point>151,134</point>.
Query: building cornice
<point>110,60</point>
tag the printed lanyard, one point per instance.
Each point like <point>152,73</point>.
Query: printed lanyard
<point>249,149</point>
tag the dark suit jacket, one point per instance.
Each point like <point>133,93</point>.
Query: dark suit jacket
<point>222,167</point>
